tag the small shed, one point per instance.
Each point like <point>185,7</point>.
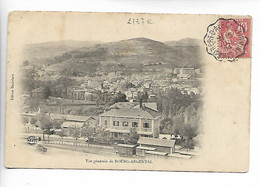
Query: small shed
<point>161,145</point>
<point>125,149</point>
<point>141,150</point>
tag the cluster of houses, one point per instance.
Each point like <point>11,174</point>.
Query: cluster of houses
<point>183,79</point>
<point>81,93</point>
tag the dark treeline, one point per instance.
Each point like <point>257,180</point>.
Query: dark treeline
<point>181,115</point>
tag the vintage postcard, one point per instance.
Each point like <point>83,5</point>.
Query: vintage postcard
<point>128,91</point>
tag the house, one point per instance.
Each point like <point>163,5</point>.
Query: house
<point>176,71</point>
<point>120,121</point>
<point>152,96</point>
<point>198,71</point>
<point>155,146</point>
<point>80,93</point>
<point>184,73</point>
<point>91,121</point>
<point>38,92</point>
<point>71,124</point>
<point>196,91</point>
<point>184,76</point>
<point>147,85</point>
<point>75,121</point>
<point>189,71</point>
<point>112,75</point>
<point>129,95</point>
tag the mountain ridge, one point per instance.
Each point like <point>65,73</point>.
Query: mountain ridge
<point>139,51</point>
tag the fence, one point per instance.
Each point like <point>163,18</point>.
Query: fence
<point>77,143</point>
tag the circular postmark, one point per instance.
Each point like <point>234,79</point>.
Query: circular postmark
<point>227,39</point>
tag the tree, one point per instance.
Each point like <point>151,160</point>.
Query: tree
<point>30,81</point>
<point>33,103</point>
<point>145,97</point>
<point>102,136</point>
<point>131,137</point>
<point>33,121</point>
<point>25,63</point>
<point>120,97</point>
<point>190,111</point>
<point>191,130</point>
<point>173,102</point>
<point>98,97</point>
<point>189,133</point>
<point>178,122</point>
<point>74,131</point>
<point>165,108</point>
<point>167,126</point>
<point>62,133</point>
<point>46,92</point>
<point>129,85</point>
<point>25,120</point>
<point>47,126</point>
<point>88,132</point>
<point>57,124</point>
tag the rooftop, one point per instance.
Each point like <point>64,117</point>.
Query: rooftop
<point>71,117</point>
<point>156,142</point>
<point>157,153</point>
<point>67,124</point>
<point>146,148</point>
<point>126,145</point>
<point>124,105</point>
<point>119,105</point>
<point>128,112</point>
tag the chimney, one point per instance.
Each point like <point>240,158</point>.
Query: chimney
<point>141,103</point>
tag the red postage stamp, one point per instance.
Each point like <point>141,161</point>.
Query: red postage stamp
<point>229,39</point>
<point>234,38</point>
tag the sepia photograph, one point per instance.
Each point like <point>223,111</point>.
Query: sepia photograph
<point>133,98</point>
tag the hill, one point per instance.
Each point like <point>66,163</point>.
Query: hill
<point>52,49</point>
<point>185,42</point>
<point>132,52</point>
